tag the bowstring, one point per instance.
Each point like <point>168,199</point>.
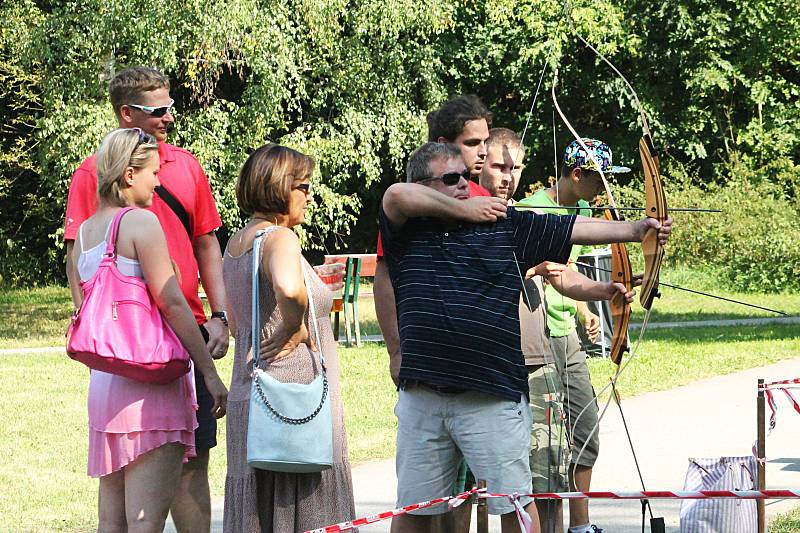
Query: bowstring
<point>565,376</point>
<point>611,384</point>
<point>631,91</point>
<point>549,383</point>
<point>620,368</point>
<point>548,380</point>
<point>530,114</point>
<point>646,130</point>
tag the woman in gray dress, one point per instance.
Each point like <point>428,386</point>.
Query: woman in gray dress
<point>274,189</point>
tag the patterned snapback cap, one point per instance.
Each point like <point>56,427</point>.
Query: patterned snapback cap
<point>576,157</point>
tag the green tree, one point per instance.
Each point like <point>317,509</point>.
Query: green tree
<point>351,82</point>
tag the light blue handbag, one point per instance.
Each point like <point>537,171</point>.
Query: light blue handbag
<point>289,428</point>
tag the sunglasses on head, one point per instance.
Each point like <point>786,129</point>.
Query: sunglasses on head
<point>144,138</point>
<point>450,178</point>
<point>157,112</point>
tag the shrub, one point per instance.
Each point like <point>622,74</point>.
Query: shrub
<point>753,245</point>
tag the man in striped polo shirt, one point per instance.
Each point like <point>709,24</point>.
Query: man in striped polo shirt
<point>455,264</point>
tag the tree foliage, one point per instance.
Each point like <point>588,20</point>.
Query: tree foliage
<point>351,82</point>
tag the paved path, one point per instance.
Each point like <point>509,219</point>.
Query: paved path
<point>668,325</point>
<point>652,325</point>
<point>722,323</point>
<point>708,418</point>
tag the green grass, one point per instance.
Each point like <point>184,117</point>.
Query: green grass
<point>668,358</point>
<point>369,398</point>
<point>44,434</point>
<point>787,523</point>
<point>43,474</point>
<point>39,317</point>
<point>34,317</point>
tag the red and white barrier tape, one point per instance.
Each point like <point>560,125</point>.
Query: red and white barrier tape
<point>453,501</point>
<point>615,495</point>
<point>773,407</point>
<point>664,495</point>
<point>774,384</point>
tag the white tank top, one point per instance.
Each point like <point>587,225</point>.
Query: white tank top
<point>89,260</point>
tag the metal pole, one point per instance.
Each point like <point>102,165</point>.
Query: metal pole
<point>761,452</point>
<point>483,510</point>
<point>601,310</point>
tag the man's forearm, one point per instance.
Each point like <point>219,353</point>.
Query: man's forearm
<point>579,287</point>
<point>72,277</point>
<point>597,231</point>
<point>209,262</point>
<point>408,200</point>
<point>386,310</point>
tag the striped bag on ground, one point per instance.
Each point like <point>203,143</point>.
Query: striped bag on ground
<point>720,515</point>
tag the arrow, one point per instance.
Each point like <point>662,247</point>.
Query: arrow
<point>671,209</point>
<point>695,292</point>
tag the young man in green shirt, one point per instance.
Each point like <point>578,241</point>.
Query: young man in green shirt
<point>579,183</point>
<point>549,453</point>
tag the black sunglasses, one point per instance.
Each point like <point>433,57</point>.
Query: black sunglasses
<point>450,179</point>
<point>305,187</point>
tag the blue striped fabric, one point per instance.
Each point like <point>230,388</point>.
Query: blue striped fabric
<point>457,289</point>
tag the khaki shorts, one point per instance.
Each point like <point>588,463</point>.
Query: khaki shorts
<point>549,454</point>
<point>578,393</point>
<point>435,430</point>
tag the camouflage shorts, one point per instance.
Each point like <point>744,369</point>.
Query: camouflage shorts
<point>549,454</point>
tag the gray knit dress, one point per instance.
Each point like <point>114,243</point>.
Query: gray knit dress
<point>263,501</point>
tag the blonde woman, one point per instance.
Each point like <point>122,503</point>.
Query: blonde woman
<point>274,189</point>
<point>139,433</point>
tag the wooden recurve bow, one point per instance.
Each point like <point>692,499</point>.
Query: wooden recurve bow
<point>620,261</point>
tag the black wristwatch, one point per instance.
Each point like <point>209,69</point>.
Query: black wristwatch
<point>221,315</point>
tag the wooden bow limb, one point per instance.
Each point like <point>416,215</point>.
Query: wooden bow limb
<point>655,207</point>
<point>656,203</point>
<point>620,308</point>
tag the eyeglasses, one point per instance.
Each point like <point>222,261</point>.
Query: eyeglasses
<point>157,112</point>
<point>450,178</point>
<point>305,187</point>
<point>144,138</point>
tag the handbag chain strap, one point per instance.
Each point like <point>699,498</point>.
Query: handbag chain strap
<point>256,335</point>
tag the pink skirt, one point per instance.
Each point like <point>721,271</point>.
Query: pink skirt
<point>128,418</point>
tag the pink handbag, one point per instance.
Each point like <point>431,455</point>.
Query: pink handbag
<point>119,328</point>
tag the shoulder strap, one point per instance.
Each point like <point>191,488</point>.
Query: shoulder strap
<point>312,315</point>
<point>176,207</point>
<point>80,234</point>
<point>256,301</point>
<point>111,241</point>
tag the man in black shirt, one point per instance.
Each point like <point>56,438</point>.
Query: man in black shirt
<point>455,264</point>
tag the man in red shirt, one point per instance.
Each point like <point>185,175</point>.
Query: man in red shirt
<point>185,207</point>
